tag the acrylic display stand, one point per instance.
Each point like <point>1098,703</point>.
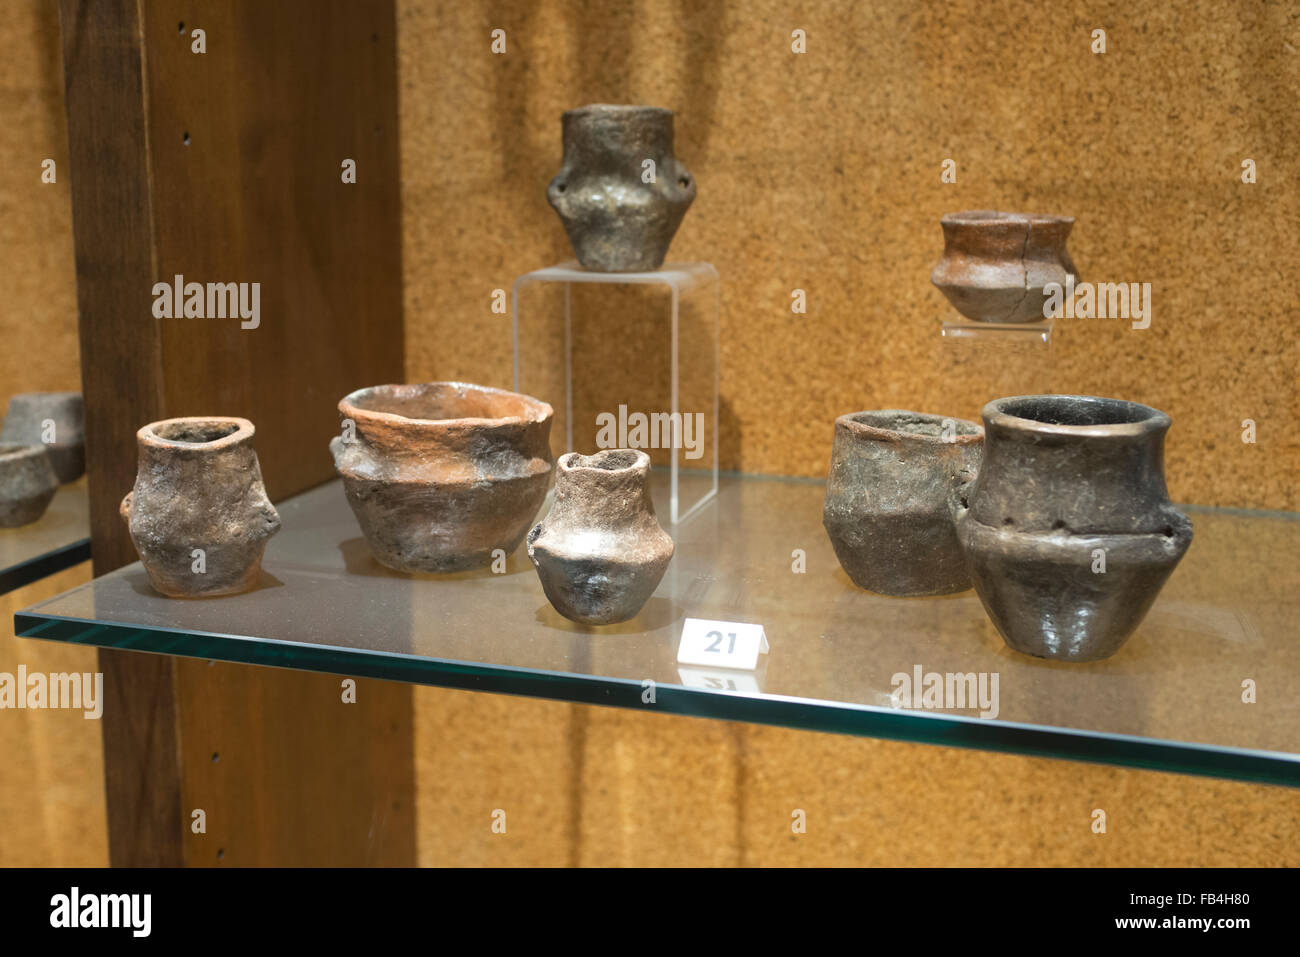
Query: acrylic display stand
<point>1027,332</point>
<point>635,354</point>
<point>1004,358</point>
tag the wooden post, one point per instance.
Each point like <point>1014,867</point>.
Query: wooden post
<point>217,156</point>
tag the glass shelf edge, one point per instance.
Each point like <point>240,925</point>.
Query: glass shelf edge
<point>1041,741</point>
<point>42,566</point>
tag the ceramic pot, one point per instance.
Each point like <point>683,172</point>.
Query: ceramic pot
<point>995,265</point>
<point>616,221</point>
<point>198,488</point>
<point>27,483</point>
<point>895,481</point>
<point>600,552</point>
<point>1070,533</point>
<point>55,420</point>
<point>442,474</point>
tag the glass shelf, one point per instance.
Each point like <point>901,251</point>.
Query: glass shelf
<point>57,540</point>
<point>1170,700</point>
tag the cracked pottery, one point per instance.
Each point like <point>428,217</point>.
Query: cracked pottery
<point>27,483</point>
<point>441,474</point>
<point>601,552</point>
<point>1070,533</point>
<point>199,487</point>
<point>896,479</point>
<point>615,220</point>
<point>995,265</point>
<point>52,419</point>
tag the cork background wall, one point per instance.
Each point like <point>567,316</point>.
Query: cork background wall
<point>38,323</point>
<point>52,786</point>
<point>820,173</point>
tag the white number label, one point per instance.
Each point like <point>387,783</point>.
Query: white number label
<point>721,644</point>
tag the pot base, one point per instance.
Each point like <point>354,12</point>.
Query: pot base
<point>27,483</point>
<point>441,529</point>
<point>596,592</point>
<point>905,555</point>
<point>1043,595</point>
<point>230,570</point>
<point>25,511</point>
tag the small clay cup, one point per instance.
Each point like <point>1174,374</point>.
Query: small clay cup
<point>55,420</point>
<point>995,265</point>
<point>198,514</point>
<point>27,483</point>
<point>601,552</point>
<point>442,474</point>
<point>896,479</point>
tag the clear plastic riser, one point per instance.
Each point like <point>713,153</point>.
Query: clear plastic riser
<point>654,386</point>
<point>981,361</point>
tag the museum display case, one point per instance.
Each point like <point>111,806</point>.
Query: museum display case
<point>810,434</point>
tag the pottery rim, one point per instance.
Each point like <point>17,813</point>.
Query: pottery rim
<point>994,217</point>
<point>48,395</point>
<point>229,431</point>
<point>1109,418</point>
<point>12,452</point>
<point>605,462</point>
<point>625,109</point>
<point>889,425</point>
<point>533,410</point>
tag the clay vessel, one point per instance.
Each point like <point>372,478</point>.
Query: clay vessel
<point>55,420</point>
<point>616,221</point>
<point>995,265</point>
<point>27,483</point>
<point>895,481</point>
<point>600,552</point>
<point>442,474</point>
<point>198,488</point>
<point>1070,533</point>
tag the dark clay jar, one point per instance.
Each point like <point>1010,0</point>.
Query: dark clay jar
<point>618,221</point>
<point>1070,533</point>
<point>895,481</point>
